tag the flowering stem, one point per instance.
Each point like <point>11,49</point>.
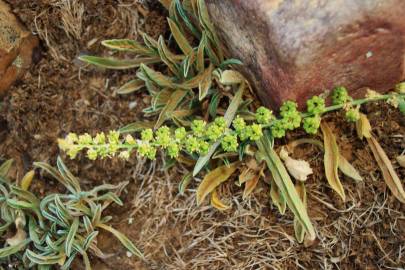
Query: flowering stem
<point>354,103</point>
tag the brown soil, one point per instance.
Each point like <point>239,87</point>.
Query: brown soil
<point>59,95</point>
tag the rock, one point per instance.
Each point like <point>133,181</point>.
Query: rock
<point>16,48</point>
<point>296,49</point>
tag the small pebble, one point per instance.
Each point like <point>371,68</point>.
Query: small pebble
<point>132,105</point>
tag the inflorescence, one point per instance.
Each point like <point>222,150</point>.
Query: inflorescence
<point>201,135</point>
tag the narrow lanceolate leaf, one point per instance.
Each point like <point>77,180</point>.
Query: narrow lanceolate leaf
<point>184,16</point>
<point>184,182</point>
<point>196,81</point>
<point>67,175</point>
<point>181,40</point>
<point>285,184</point>
<point>27,179</point>
<point>71,236</point>
<point>157,77</point>
<point>214,179</point>
<point>277,197</point>
<point>171,105</point>
<point>229,77</point>
<point>346,168</point>
<point>5,167</point>
<point>331,160</point>
<point>123,239</point>
<point>130,87</point>
<point>229,116</point>
<point>200,53</point>
<point>204,85</point>
<point>126,45</point>
<point>187,63</point>
<point>251,184</point>
<point>167,57</point>
<point>363,127</point>
<point>45,259</point>
<point>10,250</point>
<point>206,23</point>
<point>298,228</point>
<point>389,174</point>
<point>111,63</point>
<point>217,203</point>
<point>150,42</point>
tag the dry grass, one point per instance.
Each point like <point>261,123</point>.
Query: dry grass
<point>71,13</point>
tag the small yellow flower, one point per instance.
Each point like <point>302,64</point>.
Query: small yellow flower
<point>99,139</point>
<point>130,140</point>
<point>124,155</point>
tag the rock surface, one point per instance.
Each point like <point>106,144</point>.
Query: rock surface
<point>295,49</point>
<point>16,48</point>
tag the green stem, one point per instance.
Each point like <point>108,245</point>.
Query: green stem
<point>354,103</point>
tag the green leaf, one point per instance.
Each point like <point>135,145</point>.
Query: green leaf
<point>127,45</point>
<point>157,77</point>
<point>5,167</point>
<point>229,116</point>
<point>181,40</point>
<point>123,239</point>
<point>111,63</point>
<point>130,87</point>
<point>185,181</point>
<point>213,105</point>
<point>71,236</point>
<point>174,100</point>
<point>231,61</point>
<point>89,239</point>
<point>150,42</point>
<point>200,53</point>
<point>45,259</point>
<point>167,57</point>
<point>284,183</point>
<point>33,231</point>
<point>10,250</point>
<point>185,17</point>
<point>331,160</point>
<point>67,175</point>
<point>207,25</point>
<point>298,227</point>
<point>187,63</point>
<point>55,174</point>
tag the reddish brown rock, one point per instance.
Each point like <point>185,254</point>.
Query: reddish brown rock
<point>16,48</point>
<point>295,49</point>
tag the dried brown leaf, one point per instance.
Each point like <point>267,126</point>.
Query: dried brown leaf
<point>331,160</point>
<point>389,174</point>
<point>214,179</point>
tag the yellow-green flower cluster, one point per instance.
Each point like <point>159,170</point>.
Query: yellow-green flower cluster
<point>311,124</point>
<point>290,119</point>
<point>201,135</point>
<point>316,105</point>
<point>352,114</point>
<point>340,96</point>
<point>264,115</point>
